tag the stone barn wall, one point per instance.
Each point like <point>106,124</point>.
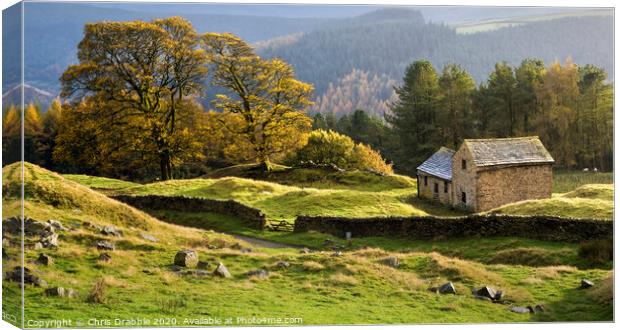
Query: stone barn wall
<point>545,228</point>
<point>463,180</point>
<point>426,191</point>
<point>499,186</point>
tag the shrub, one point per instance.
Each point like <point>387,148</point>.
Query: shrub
<point>597,252</point>
<point>328,148</point>
<point>331,148</point>
<point>365,158</point>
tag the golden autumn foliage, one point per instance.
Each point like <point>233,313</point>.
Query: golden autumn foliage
<point>133,85</point>
<point>331,148</point>
<point>264,102</point>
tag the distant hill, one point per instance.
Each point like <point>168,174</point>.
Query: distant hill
<point>31,94</point>
<point>386,47</point>
<point>378,41</point>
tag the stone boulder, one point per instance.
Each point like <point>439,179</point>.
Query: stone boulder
<point>50,241</point>
<point>11,226</point>
<point>258,273</point>
<point>104,257</point>
<point>392,261</point>
<point>586,284</point>
<point>33,227</point>
<point>15,275</point>
<point>148,237</point>
<point>519,309</point>
<point>447,288</point>
<point>283,264</point>
<point>186,258</point>
<point>60,292</point>
<point>105,245</point>
<point>486,292</point>
<point>57,225</point>
<point>111,231</point>
<point>45,260</point>
<point>222,271</point>
<point>305,250</point>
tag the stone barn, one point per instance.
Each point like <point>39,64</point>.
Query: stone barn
<point>487,173</point>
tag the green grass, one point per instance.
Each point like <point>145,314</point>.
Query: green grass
<point>592,201</point>
<point>101,183</point>
<point>564,181</point>
<point>318,178</point>
<point>139,283</point>
<point>281,202</point>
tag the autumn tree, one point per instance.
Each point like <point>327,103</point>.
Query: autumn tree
<point>594,119</point>
<point>140,77</point>
<point>556,123</point>
<point>11,135</point>
<point>263,102</point>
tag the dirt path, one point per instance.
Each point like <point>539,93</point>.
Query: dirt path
<point>263,243</point>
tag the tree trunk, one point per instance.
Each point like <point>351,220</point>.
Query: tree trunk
<point>165,167</point>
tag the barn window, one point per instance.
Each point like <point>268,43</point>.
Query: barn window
<point>436,188</point>
<point>426,181</point>
<point>464,197</point>
<point>463,164</point>
<point>445,187</point>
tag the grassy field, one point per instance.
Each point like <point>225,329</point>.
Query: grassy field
<point>285,202</point>
<point>567,181</point>
<point>318,192</point>
<point>588,201</point>
<point>318,288</point>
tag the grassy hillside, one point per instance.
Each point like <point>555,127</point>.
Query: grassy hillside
<point>588,201</point>
<point>286,202</point>
<point>139,282</point>
<point>323,178</point>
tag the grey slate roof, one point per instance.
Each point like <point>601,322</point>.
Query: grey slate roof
<point>508,151</point>
<point>439,164</point>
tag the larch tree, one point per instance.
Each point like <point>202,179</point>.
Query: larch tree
<point>141,76</point>
<point>263,102</point>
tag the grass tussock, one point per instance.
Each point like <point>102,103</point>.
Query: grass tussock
<point>551,272</point>
<point>312,266</point>
<point>340,279</point>
<point>98,293</point>
<point>462,270</point>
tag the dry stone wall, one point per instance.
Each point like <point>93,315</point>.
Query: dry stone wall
<point>545,228</point>
<point>252,217</point>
